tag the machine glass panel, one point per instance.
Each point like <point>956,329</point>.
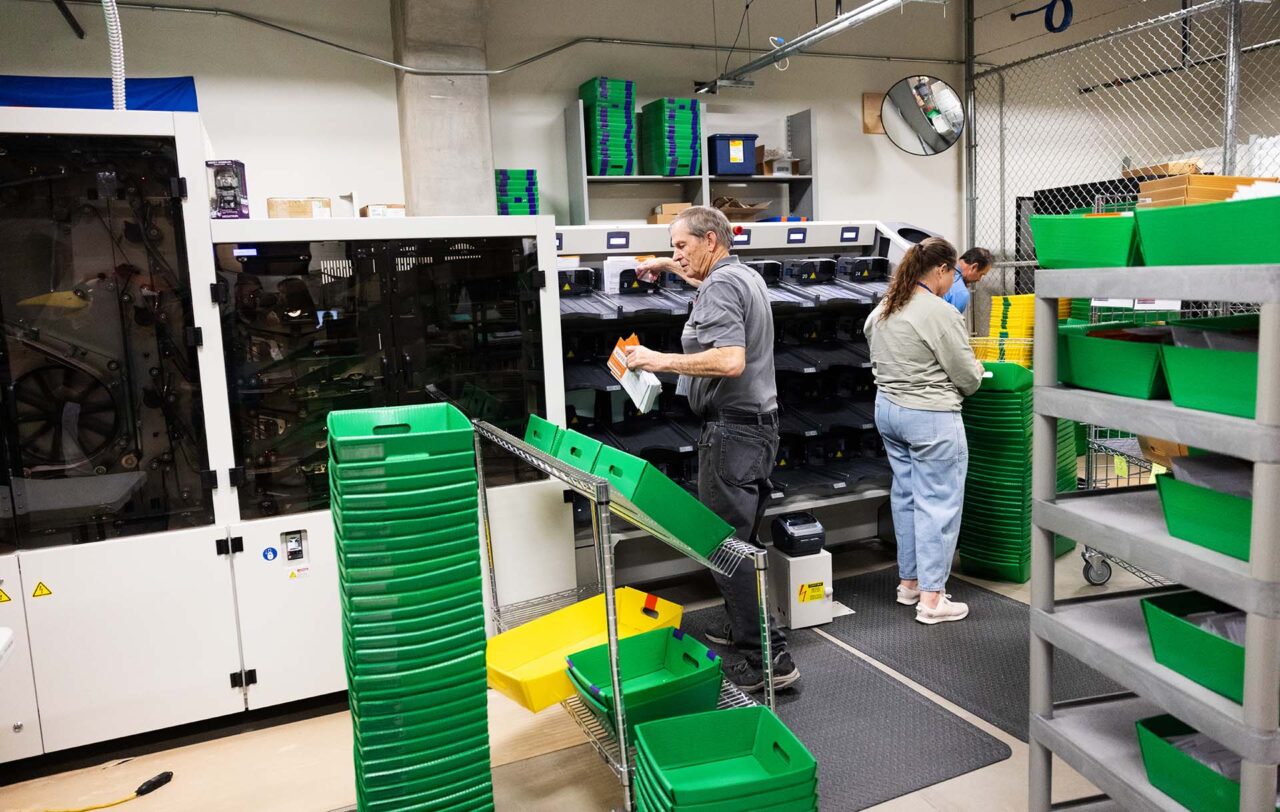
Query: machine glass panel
<point>103,429</point>
<point>465,317</point>
<point>304,331</point>
<point>314,327</point>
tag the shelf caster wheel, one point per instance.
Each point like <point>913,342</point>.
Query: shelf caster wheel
<point>1097,574</point>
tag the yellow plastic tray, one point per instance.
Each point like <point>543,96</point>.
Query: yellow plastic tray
<point>528,662</point>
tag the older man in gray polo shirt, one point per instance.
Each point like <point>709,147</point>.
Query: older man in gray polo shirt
<point>727,372</point>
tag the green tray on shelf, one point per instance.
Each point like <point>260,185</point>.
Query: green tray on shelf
<point>1127,368</point>
<point>1196,786</point>
<point>1197,654</point>
<point>1219,381</point>
<point>675,510</point>
<point>1081,241</point>
<point>1222,233</point>
<point>1221,522</point>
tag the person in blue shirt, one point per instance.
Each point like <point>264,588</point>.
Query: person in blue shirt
<point>971,267</point>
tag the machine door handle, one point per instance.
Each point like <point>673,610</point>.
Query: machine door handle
<point>406,369</point>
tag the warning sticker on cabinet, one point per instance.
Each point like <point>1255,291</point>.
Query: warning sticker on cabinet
<point>3,597</point>
<point>814,591</point>
<point>736,152</point>
<point>41,590</point>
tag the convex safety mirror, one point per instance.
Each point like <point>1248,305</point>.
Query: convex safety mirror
<point>922,115</point>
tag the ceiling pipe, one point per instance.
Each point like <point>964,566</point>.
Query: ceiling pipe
<point>214,11</point>
<point>844,22</point>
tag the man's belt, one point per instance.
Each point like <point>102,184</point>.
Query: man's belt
<point>742,418</point>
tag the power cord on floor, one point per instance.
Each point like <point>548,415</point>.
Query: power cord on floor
<point>148,786</point>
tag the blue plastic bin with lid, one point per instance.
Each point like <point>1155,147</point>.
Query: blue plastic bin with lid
<point>732,154</point>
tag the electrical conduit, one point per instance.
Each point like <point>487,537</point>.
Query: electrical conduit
<point>115,41</point>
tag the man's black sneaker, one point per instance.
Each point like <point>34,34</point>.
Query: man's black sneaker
<point>721,635</point>
<point>751,679</point>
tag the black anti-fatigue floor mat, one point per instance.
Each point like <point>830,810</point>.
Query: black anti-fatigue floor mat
<point>875,739</point>
<point>980,663</point>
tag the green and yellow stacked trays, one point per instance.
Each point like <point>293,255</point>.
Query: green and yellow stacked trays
<point>671,137</point>
<point>609,107</point>
<point>723,761</point>
<point>995,529</point>
<point>403,483</point>
<point>665,673</point>
<point>517,191</point>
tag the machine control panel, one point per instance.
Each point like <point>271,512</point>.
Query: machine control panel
<point>294,545</point>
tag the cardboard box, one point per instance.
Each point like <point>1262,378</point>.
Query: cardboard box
<point>665,213</point>
<point>1199,183</point>
<point>770,161</point>
<point>1161,451</point>
<point>316,208</point>
<point>228,190</point>
<point>739,212</point>
<point>382,210</point>
<point>1192,167</point>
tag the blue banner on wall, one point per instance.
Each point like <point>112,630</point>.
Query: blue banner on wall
<point>177,94</point>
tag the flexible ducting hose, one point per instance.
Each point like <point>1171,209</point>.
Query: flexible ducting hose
<point>115,40</point>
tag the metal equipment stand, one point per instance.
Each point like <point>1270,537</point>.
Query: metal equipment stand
<point>606,503</point>
<point>1097,736</point>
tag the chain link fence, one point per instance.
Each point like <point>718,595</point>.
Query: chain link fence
<point>1069,129</point>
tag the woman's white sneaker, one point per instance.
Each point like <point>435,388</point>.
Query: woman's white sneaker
<point>945,610</point>
<point>908,596</point>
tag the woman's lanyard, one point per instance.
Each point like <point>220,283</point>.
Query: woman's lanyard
<point>926,287</point>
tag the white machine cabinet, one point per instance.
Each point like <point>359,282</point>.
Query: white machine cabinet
<point>131,635</point>
<point>19,717</point>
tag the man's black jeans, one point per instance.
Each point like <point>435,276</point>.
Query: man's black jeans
<point>734,463</point>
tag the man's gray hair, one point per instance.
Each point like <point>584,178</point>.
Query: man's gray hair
<point>703,220</point>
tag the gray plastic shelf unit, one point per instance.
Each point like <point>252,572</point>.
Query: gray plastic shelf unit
<point>1097,737</point>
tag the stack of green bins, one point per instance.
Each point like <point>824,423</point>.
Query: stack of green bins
<point>671,137</point>
<point>404,506</point>
<point>665,672</point>
<point>517,191</point>
<point>723,761</point>
<point>995,528</point>
<point>609,106</point>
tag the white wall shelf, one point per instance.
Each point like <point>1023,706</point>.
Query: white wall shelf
<point>630,198</point>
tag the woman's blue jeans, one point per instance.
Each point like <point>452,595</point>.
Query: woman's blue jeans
<point>930,458</point>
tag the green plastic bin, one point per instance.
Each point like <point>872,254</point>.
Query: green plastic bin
<point>1222,522</point>
<point>603,90</point>
<point>372,435</point>
<point>415,535</point>
<point>371,506</point>
<point>1197,654</point>
<point>1198,787</point>
<point>1128,368</point>
<point>362,473</point>
<point>383,524</point>
<point>427,555</point>
<point>543,435</point>
<point>385,714</point>
<point>1227,232</point>
<point>677,512</point>
<point>342,489</point>
<point>1080,241</point>
<point>732,753</point>
<point>578,450</point>
<point>799,796</point>
<point>1217,381</point>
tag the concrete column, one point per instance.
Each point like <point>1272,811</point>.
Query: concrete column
<point>445,139</point>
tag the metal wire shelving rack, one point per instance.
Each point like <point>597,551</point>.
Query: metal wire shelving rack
<point>606,505</point>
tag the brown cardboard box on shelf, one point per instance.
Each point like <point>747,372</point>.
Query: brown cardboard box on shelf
<point>382,210</point>
<point>1190,189</point>
<point>1191,167</point>
<point>771,161</point>
<point>737,211</point>
<point>318,208</point>
<point>665,213</point>
<point>1161,451</point>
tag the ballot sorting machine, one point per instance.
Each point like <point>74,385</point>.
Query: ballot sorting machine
<point>166,548</point>
<point>823,280</point>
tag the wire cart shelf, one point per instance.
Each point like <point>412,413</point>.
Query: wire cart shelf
<point>607,503</point>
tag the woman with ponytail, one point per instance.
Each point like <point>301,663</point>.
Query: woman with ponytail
<point>924,368</point>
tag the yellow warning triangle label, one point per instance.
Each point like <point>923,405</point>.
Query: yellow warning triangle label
<point>3,597</point>
<point>41,590</point>
<point>566,287</point>
<point>635,284</point>
<point>293,574</point>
